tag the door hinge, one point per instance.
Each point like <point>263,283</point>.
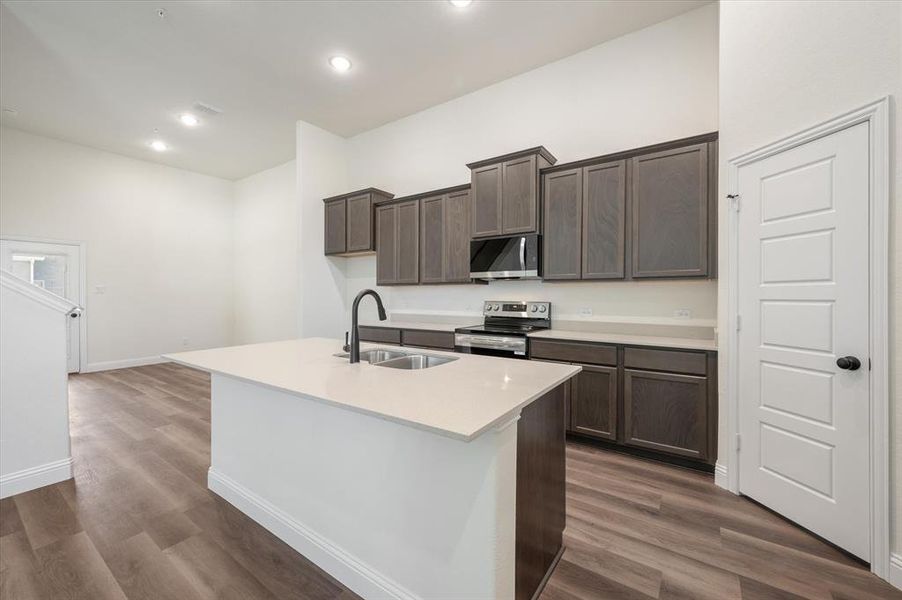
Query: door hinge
<point>738,442</point>
<point>738,322</point>
<point>734,201</point>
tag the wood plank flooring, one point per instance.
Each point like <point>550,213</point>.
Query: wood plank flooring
<point>138,522</point>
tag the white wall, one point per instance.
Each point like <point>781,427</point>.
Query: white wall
<point>266,256</point>
<point>787,65</point>
<point>321,172</point>
<point>34,408</point>
<point>159,239</point>
<point>651,86</point>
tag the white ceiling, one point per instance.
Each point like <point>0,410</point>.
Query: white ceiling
<point>107,74</point>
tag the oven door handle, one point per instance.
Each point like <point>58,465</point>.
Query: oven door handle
<point>485,341</point>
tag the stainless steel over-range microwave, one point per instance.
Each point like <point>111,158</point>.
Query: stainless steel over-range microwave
<point>511,257</point>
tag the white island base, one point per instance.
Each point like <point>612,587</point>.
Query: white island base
<point>389,508</point>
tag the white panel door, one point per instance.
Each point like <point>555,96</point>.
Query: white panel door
<point>803,305</point>
<point>54,267</point>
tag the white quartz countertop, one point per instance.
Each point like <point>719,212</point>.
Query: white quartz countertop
<point>627,339</point>
<point>460,399</point>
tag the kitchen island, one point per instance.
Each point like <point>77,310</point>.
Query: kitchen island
<point>445,482</point>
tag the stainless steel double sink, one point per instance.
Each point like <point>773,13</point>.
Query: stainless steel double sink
<point>397,359</point>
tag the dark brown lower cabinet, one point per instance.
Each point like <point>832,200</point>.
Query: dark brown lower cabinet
<point>593,402</point>
<point>662,400</point>
<point>666,412</point>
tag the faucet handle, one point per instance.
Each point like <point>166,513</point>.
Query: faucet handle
<point>347,346</point>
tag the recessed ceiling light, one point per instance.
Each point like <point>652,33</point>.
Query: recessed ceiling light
<point>340,63</point>
<point>460,3</point>
<point>189,120</point>
<point>159,145</point>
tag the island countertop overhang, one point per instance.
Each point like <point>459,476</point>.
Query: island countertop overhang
<point>462,399</point>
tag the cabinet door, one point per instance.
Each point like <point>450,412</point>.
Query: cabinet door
<point>670,213</point>
<point>666,412</point>
<point>519,195</point>
<point>335,227</point>
<point>563,206</point>
<point>457,236</point>
<point>386,244</point>
<point>360,223</point>
<point>593,402</point>
<point>604,214</point>
<point>485,185</point>
<point>408,232</point>
<point>432,240</point>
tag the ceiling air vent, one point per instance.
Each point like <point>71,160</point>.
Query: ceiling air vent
<point>206,109</point>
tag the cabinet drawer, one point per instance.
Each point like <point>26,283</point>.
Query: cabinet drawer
<point>380,334</point>
<point>675,361</point>
<point>443,340</point>
<point>573,352</point>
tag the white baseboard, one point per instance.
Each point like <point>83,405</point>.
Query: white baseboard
<point>123,364</point>
<point>720,476</point>
<point>358,576</point>
<point>35,477</point>
<point>895,570</point>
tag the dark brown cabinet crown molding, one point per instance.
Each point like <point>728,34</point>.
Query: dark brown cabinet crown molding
<point>349,226</point>
<point>369,190</point>
<point>627,154</point>
<point>537,150</point>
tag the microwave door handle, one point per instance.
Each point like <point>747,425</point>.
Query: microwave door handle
<point>523,253</point>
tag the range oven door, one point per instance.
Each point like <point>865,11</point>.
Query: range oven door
<point>490,345</point>
<point>506,258</point>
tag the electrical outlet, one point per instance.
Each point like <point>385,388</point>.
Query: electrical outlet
<point>682,313</point>
<point>184,342</point>
<point>99,289</point>
<point>585,311</point>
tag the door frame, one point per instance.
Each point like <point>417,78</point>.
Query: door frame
<point>82,292</point>
<point>876,115</point>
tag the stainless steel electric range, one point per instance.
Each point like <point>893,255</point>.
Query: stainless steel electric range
<point>505,327</point>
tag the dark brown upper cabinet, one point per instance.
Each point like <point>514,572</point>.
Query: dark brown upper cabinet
<point>584,212</point>
<point>563,215</point>
<point>349,228</point>
<point>604,221</point>
<point>456,233</point>
<point>643,213</point>
<point>669,196</point>
<point>443,238</point>
<point>505,193</point>
<point>397,243</point>
<point>432,247</point>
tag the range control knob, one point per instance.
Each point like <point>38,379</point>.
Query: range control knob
<point>543,308</point>
<point>535,308</point>
<point>495,307</point>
